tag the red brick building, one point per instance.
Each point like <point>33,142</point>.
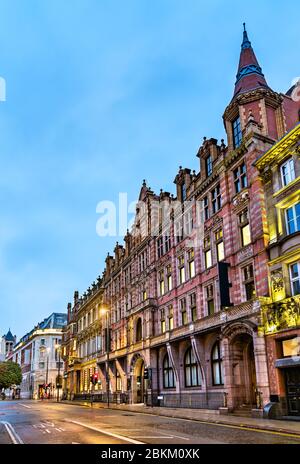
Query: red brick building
<point>184,294</point>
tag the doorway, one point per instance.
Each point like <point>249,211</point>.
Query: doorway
<point>138,381</point>
<point>243,371</point>
<point>292,377</point>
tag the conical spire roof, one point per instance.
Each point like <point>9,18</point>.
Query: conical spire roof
<point>9,336</point>
<point>249,75</point>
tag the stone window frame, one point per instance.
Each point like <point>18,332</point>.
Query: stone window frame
<point>239,177</point>
<point>289,159</point>
<point>245,281</point>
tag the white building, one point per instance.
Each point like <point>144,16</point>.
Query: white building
<point>39,356</point>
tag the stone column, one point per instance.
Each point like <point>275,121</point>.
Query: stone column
<point>261,367</point>
<point>227,372</point>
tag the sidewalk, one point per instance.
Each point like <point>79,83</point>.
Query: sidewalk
<point>203,415</point>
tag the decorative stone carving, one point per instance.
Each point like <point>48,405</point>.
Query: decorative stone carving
<point>277,280</point>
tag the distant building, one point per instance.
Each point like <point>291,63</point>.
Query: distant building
<point>6,345</point>
<point>38,354</point>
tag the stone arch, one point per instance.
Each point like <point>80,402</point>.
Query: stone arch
<point>137,366</point>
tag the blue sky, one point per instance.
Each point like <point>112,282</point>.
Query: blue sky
<point>101,94</point>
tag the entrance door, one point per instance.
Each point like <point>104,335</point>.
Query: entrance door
<point>292,376</point>
<point>138,382</point>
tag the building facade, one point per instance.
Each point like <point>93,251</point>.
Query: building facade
<point>280,172</point>
<point>39,355</point>
<point>184,296</point>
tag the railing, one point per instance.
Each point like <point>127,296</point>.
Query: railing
<point>115,398</point>
<point>194,400</point>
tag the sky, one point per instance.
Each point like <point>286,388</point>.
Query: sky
<point>101,94</point>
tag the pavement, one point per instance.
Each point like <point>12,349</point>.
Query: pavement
<point>48,422</point>
<point>203,415</point>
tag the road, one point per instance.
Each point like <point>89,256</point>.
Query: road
<point>34,422</point>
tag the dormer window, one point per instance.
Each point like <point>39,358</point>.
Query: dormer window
<point>287,172</point>
<point>237,133</point>
<point>208,166</point>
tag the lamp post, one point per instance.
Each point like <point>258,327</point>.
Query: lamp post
<point>47,371</point>
<point>58,350</point>
<point>105,311</point>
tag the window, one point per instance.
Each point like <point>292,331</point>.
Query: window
<point>118,381</point>
<point>139,330</point>
<point>43,342</point>
<point>210,299</point>
<point>167,239</point>
<point>183,192</point>
<point>162,321</point>
<point>181,269</point>
<point>216,362</point>
<point>161,283</point>
<point>193,307</point>
<point>291,347</point>
<point>244,228</point>
<point>206,208</point>
<point>219,245</point>
<point>207,259</point>
<point>240,177</point>
<point>144,295</point>
<point>191,259</point>
<point>208,166</point>
<point>188,221</point>
<point>293,218</point>
<point>287,171</point>
<point>171,317</point>
<point>169,277</point>
<point>184,318</point>
<point>178,227</point>
<point>216,199</point>
<point>169,381</point>
<point>237,133</point>
<point>249,282</point>
<point>160,247</point>
<point>295,278</point>
<point>41,365</point>
<point>191,370</point>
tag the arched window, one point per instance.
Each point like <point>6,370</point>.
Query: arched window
<point>118,380</point>
<point>216,363</point>
<point>191,370</point>
<point>139,330</point>
<point>169,381</point>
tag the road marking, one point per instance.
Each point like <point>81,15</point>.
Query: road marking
<point>120,437</point>
<point>25,406</point>
<point>154,437</point>
<point>75,443</point>
<point>12,433</point>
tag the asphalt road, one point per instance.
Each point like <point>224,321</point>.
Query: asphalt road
<point>42,422</point>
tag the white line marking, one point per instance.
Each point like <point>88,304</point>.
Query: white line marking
<point>75,443</point>
<point>154,437</point>
<point>176,436</point>
<point>25,405</point>
<point>120,437</point>
<point>12,433</point>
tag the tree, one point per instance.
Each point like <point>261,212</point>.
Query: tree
<point>10,374</point>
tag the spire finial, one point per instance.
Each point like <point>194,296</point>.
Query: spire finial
<point>246,42</point>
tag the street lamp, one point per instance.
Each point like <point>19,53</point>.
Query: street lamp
<point>105,311</point>
<point>47,371</point>
<point>58,350</point>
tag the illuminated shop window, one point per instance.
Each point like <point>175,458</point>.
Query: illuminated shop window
<point>291,347</point>
<point>287,171</point>
<point>295,278</point>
